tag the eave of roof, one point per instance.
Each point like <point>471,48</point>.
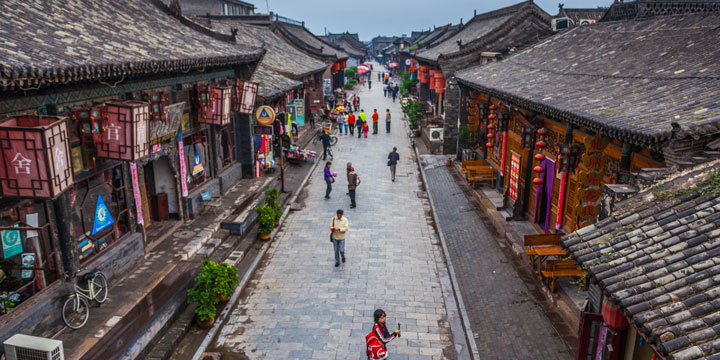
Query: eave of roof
<point>329,51</point>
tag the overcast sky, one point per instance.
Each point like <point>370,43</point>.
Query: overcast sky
<point>370,18</point>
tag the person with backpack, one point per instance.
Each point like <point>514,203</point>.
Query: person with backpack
<point>376,341</point>
<point>353,182</point>
<point>338,228</point>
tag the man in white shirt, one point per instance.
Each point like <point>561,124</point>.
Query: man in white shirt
<point>339,227</point>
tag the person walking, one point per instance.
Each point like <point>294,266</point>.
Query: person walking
<point>352,184</point>
<point>387,121</point>
<point>375,118</point>
<point>329,179</point>
<point>365,128</point>
<point>341,122</point>
<point>395,92</point>
<point>369,83</point>
<point>381,333</point>
<point>379,76</point>
<point>357,102</point>
<point>359,124</point>
<point>362,121</point>
<point>393,158</point>
<point>385,90</point>
<point>326,145</point>
<point>351,123</point>
<point>338,230</point>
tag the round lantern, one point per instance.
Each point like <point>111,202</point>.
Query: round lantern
<point>541,144</point>
<point>490,135</point>
<point>613,316</point>
<point>491,126</point>
<point>537,181</point>
<point>489,144</point>
<point>493,107</point>
<point>542,132</point>
<point>538,169</point>
<point>539,157</point>
<point>492,116</point>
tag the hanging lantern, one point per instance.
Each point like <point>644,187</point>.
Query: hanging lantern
<point>613,316</point>
<point>540,144</point>
<point>542,132</point>
<point>537,181</point>
<point>490,136</point>
<point>493,107</point>
<point>489,145</point>
<point>539,157</point>
<point>492,116</point>
<point>491,127</point>
<point>538,169</point>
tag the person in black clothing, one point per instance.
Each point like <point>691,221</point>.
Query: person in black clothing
<point>393,159</point>
<point>326,145</point>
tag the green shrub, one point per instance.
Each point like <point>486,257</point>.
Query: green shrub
<point>204,295</point>
<point>226,279</point>
<point>266,219</point>
<point>351,72</point>
<point>414,113</point>
<point>271,199</point>
<point>405,87</point>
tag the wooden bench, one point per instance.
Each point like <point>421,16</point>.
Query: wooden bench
<point>481,173</point>
<point>560,268</point>
<point>536,240</point>
<point>467,163</point>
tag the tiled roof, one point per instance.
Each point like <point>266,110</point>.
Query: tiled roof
<point>280,55</point>
<point>645,8</point>
<point>58,41</point>
<point>436,36</point>
<point>303,38</point>
<point>272,84</point>
<point>581,14</point>
<point>634,80</point>
<point>658,259</point>
<point>479,27</point>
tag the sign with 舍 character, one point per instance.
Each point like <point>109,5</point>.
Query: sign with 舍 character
<point>588,211</point>
<point>514,175</point>
<point>590,194</point>
<point>590,178</point>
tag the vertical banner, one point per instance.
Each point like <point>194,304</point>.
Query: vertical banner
<point>561,201</point>
<point>327,87</point>
<point>136,193</point>
<point>504,151</point>
<point>183,170</point>
<point>514,175</point>
<point>300,113</point>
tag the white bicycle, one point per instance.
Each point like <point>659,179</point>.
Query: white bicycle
<point>76,309</point>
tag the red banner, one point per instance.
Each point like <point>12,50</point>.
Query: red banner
<point>514,175</point>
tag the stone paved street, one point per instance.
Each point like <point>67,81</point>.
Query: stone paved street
<point>301,307</point>
<point>502,312</point>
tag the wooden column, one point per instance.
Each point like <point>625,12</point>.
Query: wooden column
<point>69,257</point>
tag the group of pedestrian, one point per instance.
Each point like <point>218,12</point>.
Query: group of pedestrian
<point>391,89</point>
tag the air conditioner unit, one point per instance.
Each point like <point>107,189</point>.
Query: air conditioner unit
<point>25,347</point>
<point>586,21</point>
<point>560,23</point>
<point>436,134</point>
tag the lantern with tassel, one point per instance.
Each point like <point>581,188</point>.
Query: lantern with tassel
<point>537,181</point>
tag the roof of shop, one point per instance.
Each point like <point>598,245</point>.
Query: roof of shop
<point>581,14</point>
<point>272,84</point>
<point>303,38</point>
<point>280,55</point>
<point>57,41</point>
<point>658,259</point>
<point>479,27</point>
<point>635,79</point>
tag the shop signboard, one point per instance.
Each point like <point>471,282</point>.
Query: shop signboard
<point>183,169</point>
<point>300,111</point>
<point>262,130</point>
<point>103,218</point>
<point>136,192</point>
<point>12,243</point>
<point>514,175</point>
<point>327,87</point>
<point>265,115</point>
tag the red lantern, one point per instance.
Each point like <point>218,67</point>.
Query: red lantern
<point>492,117</point>
<point>542,132</point>
<point>539,157</point>
<point>490,136</point>
<point>613,316</point>
<point>35,160</point>
<point>491,126</point>
<point>538,169</point>
<point>493,107</point>
<point>489,144</point>
<point>540,144</point>
<point>125,136</point>
<point>537,181</point>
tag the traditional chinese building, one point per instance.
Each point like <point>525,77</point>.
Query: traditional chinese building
<point>214,7</point>
<point>351,44</point>
<point>563,118</point>
<point>654,273</point>
<point>112,125</point>
<point>483,39</point>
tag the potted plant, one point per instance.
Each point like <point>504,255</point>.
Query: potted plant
<point>266,221</point>
<point>204,296</point>
<point>271,199</point>
<point>226,280</point>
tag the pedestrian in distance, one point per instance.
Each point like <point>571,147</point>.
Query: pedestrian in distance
<point>385,90</point>
<point>375,118</point>
<point>379,76</point>
<point>387,120</point>
<point>341,122</point>
<point>353,182</point>
<point>351,123</point>
<point>369,83</point>
<point>365,128</point>
<point>393,158</point>
<point>329,179</point>
<point>361,120</point>
<point>338,230</point>
<point>326,145</point>
<point>376,341</point>
<point>394,92</point>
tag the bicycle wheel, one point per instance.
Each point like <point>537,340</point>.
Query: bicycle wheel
<point>75,312</point>
<point>333,140</point>
<point>101,288</point>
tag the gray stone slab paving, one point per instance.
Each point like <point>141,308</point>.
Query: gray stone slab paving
<point>502,312</point>
<point>301,307</point>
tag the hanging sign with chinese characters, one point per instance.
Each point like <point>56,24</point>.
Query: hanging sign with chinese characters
<point>136,193</point>
<point>590,194</point>
<point>125,136</point>
<point>35,158</point>
<point>183,169</point>
<point>590,178</point>
<point>514,175</point>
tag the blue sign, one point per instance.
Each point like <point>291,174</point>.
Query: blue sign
<point>103,218</point>
<point>11,242</point>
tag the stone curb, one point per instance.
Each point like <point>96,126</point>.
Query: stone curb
<point>464,320</point>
